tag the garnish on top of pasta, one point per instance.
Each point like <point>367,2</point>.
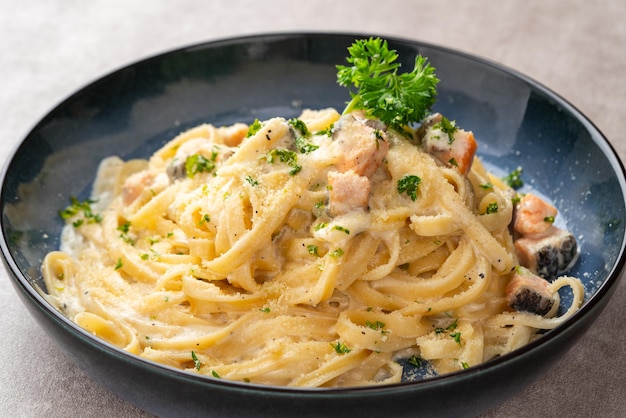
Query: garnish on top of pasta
<point>318,251</point>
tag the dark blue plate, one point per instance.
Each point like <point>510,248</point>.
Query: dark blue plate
<point>136,109</point>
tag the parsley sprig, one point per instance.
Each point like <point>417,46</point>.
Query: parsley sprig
<point>397,99</point>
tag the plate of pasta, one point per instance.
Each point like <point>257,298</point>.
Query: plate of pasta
<point>314,223</point>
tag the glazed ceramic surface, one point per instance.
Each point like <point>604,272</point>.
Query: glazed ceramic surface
<point>135,110</point>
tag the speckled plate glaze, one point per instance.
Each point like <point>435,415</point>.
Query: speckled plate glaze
<point>133,111</point>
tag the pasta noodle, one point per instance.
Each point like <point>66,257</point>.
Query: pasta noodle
<point>283,254</point>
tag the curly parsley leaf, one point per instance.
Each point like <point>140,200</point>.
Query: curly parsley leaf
<point>397,99</point>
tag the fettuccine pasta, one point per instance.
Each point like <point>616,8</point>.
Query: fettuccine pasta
<point>312,252</point>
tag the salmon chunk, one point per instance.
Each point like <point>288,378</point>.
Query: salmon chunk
<point>347,191</point>
<point>527,292</point>
<point>448,143</point>
<point>361,142</point>
<point>533,215</point>
<point>547,254</point>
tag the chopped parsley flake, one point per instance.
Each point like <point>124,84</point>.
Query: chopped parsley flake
<point>252,181</point>
<point>127,239</point>
<point>299,125</point>
<point>285,156</point>
<point>305,147</point>
<point>340,348</point>
<point>146,256</point>
<point>312,249</point>
<point>447,127</point>
<point>295,170</point>
<point>76,208</point>
<point>342,229</point>
<point>254,128</point>
<point>321,225</point>
<point>378,135</point>
<point>318,208</point>
<point>125,227</point>
<point>376,326</point>
<point>302,144</point>
<point>119,264</point>
<point>328,131</point>
<point>450,327</point>
<point>409,185</point>
<point>457,337</point>
<point>514,179</point>
<point>197,363</point>
<point>337,253</point>
<point>415,361</point>
<point>198,163</point>
<point>492,208</point>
